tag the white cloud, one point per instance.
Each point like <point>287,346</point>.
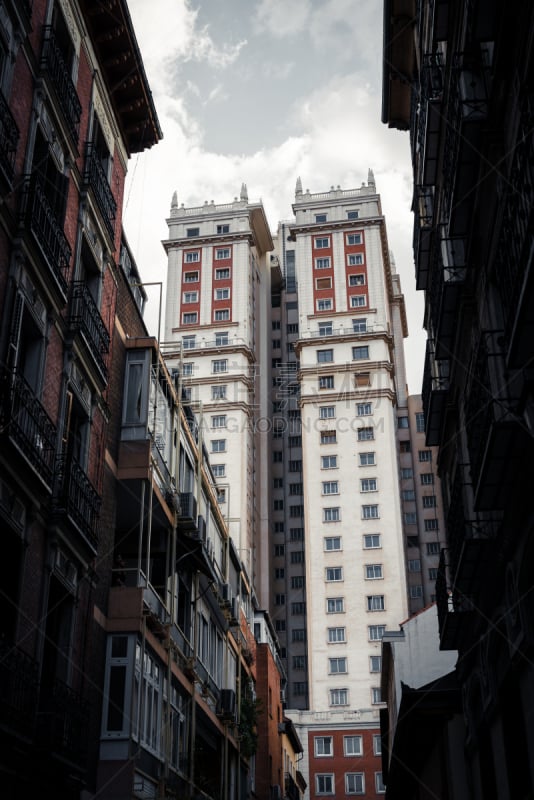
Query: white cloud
<point>281,18</point>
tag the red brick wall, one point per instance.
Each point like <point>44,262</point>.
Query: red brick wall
<point>339,764</point>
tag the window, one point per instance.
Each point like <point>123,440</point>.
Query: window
<point>420,422</point>
<point>322,242</point>
<point>376,632</point>
<point>219,470</point>
<point>337,666</point>
<point>275,324</point>
<point>432,573</point>
<point>335,605</point>
<point>431,525</point>
<point>377,747</point>
<point>359,325</point>
<point>324,784</point>
<point>278,483</point>
<point>295,465</point>
<point>218,392</point>
<point>331,515</point>
<point>425,455</point>
<point>376,695</point>
<point>323,746</point>
<point>365,434</point>
<point>322,263</point>
<point>367,459</point>
<point>332,542</point>
<point>371,541</point>
<point>221,496</point>
<point>219,365</point>
<point>297,557</point>
<point>296,511</point>
<point>190,318</point>
<point>333,574</point>
<point>218,445</point>
<point>352,746</point>
<point>429,501</point>
<point>336,635</point>
<point>325,329</point>
<point>379,783</point>
<point>326,382</point>
<point>222,252</point>
<point>223,228</point>
<point>292,327</point>
<point>412,541</point>
<point>278,505</point>
<point>328,437</point>
<point>364,409</point>
<point>368,485</point>
<point>405,446</point>
<point>299,687</point>
<point>279,527</point>
<point>327,412</point>
<point>416,592</point>
<point>406,472</point>
<point>276,344</point>
<point>373,572</point>
<point>339,697</point>
<point>298,635</point>
<point>190,277</point>
<point>355,260</point>
<point>221,314</point>
<point>370,512</point>
<point>191,232</point>
<point>328,462</point>
<point>375,602</point>
<point>296,534</point>
<point>375,663</point>
<point>297,582</point>
<point>279,599</point>
<point>298,609</point>
<point>410,518</point>
<point>352,214</point>
<point>408,494</point>
<point>323,283</point>
<point>354,782</point>
<point>188,342</point>
<point>427,478</point>
<point>192,257</point>
<point>358,300</point>
<point>295,441</point>
<point>277,456</point>
<point>359,353</point>
<point>320,217</point>
<point>414,565</point>
<point>402,422</point>
<point>354,238</point>
<point>325,356</point>
<point>222,294</point>
<point>218,421</point>
<point>330,487</point>
<point>299,662</point>
<point>324,304</point>
<point>280,625</point>
<point>222,273</point>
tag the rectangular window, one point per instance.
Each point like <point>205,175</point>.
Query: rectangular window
<point>368,485</point>
<point>376,632</point>
<point>358,300</point>
<point>333,574</point>
<point>352,214</point>
<point>330,487</point>
<point>360,353</point>
<point>370,512</point>
<point>295,465</point>
<point>375,602</point>
<point>328,462</point>
<point>218,445</point>
<point>339,697</point>
<point>376,695</point>
<point>296,511</point>
<point>219,365</point>
<point>221,496</point>
<point>298,635</point>
<point>377,746</point>
<point>429,501</point>
<point>416,592</point>
<point>364,409</point>
<point>354,238</point>
<point>432,548</point>
<point>320,218</point>
<point>222,273</point>
<point>420,422</point>
<point>222,252</point>
<point>408,495</point>
<point>221,339</point>
<point>190,318</point>
<point>322,242</point>
<point>279,527</point>
<point>432,573</point>
<point>296,534</point>
<point>367,460</point>
<point>335,605</point>
<point>292,327</point>
<point>192,257</point>
<point>375,663</point>
<point>326,382</point>
<point>379,783</point>
<point>325,329</point>
<point>218,392</point>
<point>354,783</point>
<point>323,283</point>
<point>427,478</point>
<point>192,232</point>
<point>327,412</point>
<point>299,662</point>
<point>431,525</point>
<point>406,472</point>
<point>359,325</point>
<point>425,455</point>
<point>223,228</point>
<point>221,314</point>
<point>324,305</point>
<point>218,421</point>
<point>322,263</point>
<point>405,446</point>
<point>371,541</point>
<point>280,625</point>
<point>325,356</point>
<point>410,518</point>
<point>337,666</point>
<point>298,609</point>
<point>278,505</point>
<point>278,456</point>
<point>332,542</point>
<point>190,277</point>
<point>279,549</point>
<point>219,470</point>
<point>336,635</point>
<point>188,342</point>
<point>323,746</point>
<point>331,515</point>
<point>295,489</point>
<point>365,434</point>
<point>352,746</point>
<point>279,599</point>
<point>324,784</point>
<point>328,437</point>
<point>222,294</point>
<point>297,557</point>
<point>373,572</point>
<point>355,259</point>
<point>297,582</point>
<point>414,565</point>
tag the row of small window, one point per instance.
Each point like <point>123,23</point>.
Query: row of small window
<point>323,242</point>
<point>338,635</point>
<point>190,342</point>
<point>326,328</point>
<point>193,256</point>
<point>427,478</point>
<point>219,315</point>
<point>291,327</point>
<point>327,303</point>
<point>221,274</point>
<point>370,541</point>
<point>333,514</point>
<point>323,746</point>
<point>327,488</point>
<point>327,356</point>
<point>362,410</point>
<point>360,379</point>
<point>330,462</point>
<point>340,697</point>
<point>323,217</point>
<point>218,294</point>
<point>403,422</point>
<point>429,501</point>
<point>336,605</point>
<point>325,784</point>
<point>406,447</point>
<point>191,233</point>
<point>353,260</point>
<point>364,435</point>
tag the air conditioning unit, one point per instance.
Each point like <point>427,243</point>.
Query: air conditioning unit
<point>201,528</point>
<point>226,706</point>
<point>227,595</point>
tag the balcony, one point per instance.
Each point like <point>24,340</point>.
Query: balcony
<point>63,724</point>
<point>423,233</point>
<point>28,426</point>
<point>444,293</point>
<point>18,689</point>
<point>85,319</point>
<point>53,65</point>
<point>434,394</point>
<point>449,618</point>
<point>290,787</point>
<point>9,139</point>
<point>430,116</point>
<point>78,500</point>
<point>38,217</point>
<point>96,179</point>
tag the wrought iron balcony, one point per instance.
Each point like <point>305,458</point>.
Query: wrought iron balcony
<point>38,217</point>
<point>63,723</point>
<point>434,393</point>
<point>445,288</point>
<point>18,688</point>
<point>26,423</point>
<point>96,179</point>
<point>423,241</point>
<point>430,118</point>
<point>9,139</point>
<point>78,500</point>
<point>449,618</point>
<point>85,317</point>
<point>53,64</point>
<point>290,787</point>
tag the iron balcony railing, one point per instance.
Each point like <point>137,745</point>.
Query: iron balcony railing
<point>27,424</point>
<point>9,139</point>
<point>85,318</point>
<point>78,499</point>
<point>53,64</point>
<point>63,722</point>
<point>18,688</point>
<point>38,217</point>
<point>96,178</point>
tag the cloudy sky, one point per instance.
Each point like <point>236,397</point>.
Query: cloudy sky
<point>261,92</point>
